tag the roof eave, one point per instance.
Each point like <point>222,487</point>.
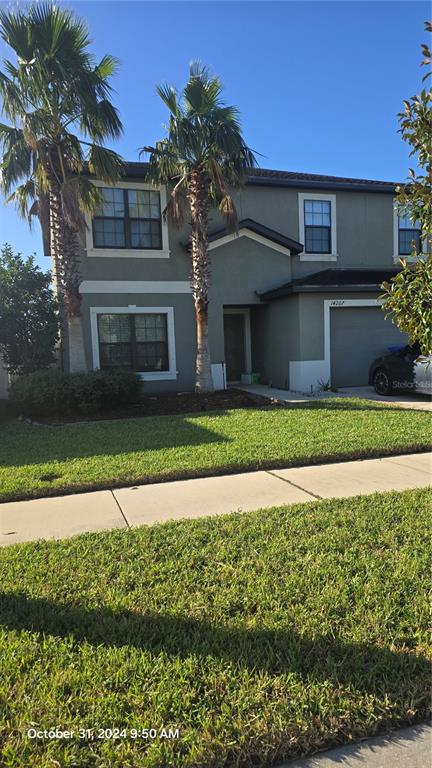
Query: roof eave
<point>293,289</point>
<point>309,184</point>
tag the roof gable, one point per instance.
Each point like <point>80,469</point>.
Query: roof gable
<point>254,230</point>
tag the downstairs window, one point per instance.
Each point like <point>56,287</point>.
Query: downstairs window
<point>135,341</point>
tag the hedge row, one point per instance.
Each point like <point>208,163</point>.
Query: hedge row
<point>53,393</point>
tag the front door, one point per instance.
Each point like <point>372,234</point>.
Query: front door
<point>234,334</point>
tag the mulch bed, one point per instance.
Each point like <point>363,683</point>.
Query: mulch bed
<point>171,403</point>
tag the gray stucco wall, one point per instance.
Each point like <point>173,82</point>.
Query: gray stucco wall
<point>243,267</point>
<point>290,329</point>
<point>364,226</point>
<point>284,330</point>
<point>275,340</point>
<point>239,269</point>
<point>184,329</point>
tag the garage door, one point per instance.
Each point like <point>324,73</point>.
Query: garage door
<point>357,336</point>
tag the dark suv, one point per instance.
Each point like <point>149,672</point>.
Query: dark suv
<point>403,370</point>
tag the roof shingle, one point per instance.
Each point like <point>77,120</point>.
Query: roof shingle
<point>330,280</point>
<point>273,177</point>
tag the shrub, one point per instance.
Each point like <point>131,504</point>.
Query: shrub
<point>28,314</point>
<point>6,411</point>
<point>53,393</point>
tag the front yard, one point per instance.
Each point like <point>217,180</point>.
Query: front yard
<point>258,636</point>
<point>38,460</point>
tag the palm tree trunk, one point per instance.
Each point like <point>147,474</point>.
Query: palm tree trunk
<point>199,202</point>
<point>64,252</point>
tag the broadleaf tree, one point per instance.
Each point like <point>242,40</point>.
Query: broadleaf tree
<point>56,98</point>
<point>202,158</point>
<point>28,314</point>
<point>407,298</point>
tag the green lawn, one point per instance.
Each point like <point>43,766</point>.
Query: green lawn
<point>40,460</point>
<point>259,636</point>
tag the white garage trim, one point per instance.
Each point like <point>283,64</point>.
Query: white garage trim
<point>305,374</point>
<point>338,303</point>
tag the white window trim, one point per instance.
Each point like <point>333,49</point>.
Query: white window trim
<point>396,255</point>
<point>302,196</point>
<point>123,253</point>
<point>245,232</point>
<point>305,374</point>
<point>169,375</point>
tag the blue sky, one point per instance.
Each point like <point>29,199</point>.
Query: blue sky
<point>318,84</point>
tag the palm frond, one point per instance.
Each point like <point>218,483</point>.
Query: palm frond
<point>16,163</point>
<point>23,197</point>
<point>90,197</point>
<point>176,202</point>
<point>17,34</point>
<point>105,164</point>
<point>163,164</point>
<point>71,205</point>
<point>72,152</point>
<point>202,93</point>
<point>168,94</point>
<point>101,121</point>
<point>203,133</point>
<point>107,67</point>
<point>13,101</point>
<point>79,196</point>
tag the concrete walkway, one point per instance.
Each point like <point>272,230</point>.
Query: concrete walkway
<point>407,748</point>
<point>63,516</point>
<point>412,402</point>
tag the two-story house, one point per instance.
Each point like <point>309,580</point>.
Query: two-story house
<point>294,293</point>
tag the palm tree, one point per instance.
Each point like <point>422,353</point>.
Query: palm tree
<point>56,99</point>
<point>202,158</point>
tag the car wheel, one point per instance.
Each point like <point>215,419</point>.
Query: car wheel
<point>381,382</point>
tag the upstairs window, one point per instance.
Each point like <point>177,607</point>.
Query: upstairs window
<point>128,218</point>
<point>409,232</point>
<point>134,341</point>
<point>317,226</point>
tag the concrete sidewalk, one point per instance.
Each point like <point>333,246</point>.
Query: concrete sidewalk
<point>407,748</point>
<point>60,517</point>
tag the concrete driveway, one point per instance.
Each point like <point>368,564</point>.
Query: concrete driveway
<point>417,402</point>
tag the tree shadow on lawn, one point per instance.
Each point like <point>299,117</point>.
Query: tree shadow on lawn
<point>39,444</point>
<point>42,444</point>
<point>402,676</point>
